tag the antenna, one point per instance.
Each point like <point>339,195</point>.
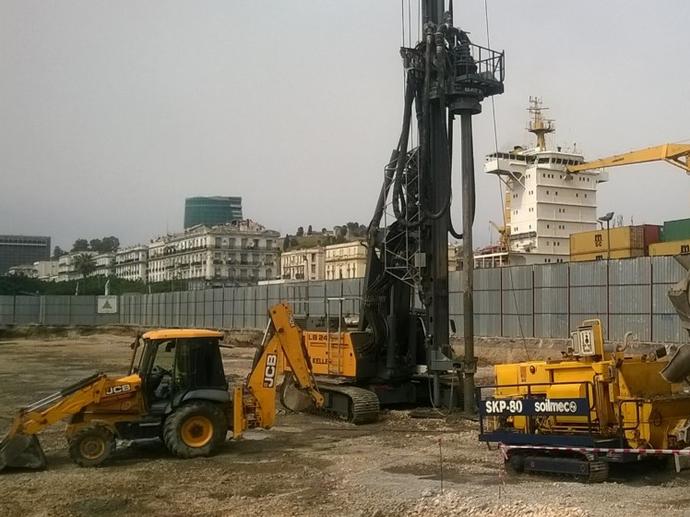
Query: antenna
<point>539,125</point>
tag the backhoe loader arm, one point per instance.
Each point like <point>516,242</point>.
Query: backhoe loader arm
<point>675,154</point>
<point>254,403</point>
<point>20,448</point>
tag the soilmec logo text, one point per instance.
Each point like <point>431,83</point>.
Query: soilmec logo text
<point>535,406</point>
<point>270,370</point>
<point>118,390</point>
<point>551,406</point>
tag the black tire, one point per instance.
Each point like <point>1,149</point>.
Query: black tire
<point>92,446</point>
<point>195,429</point>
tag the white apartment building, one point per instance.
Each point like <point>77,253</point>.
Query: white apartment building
<point>131,263</point>
<point>25,270</point>
<point>240,252</point>
<point>454,257</point>
<point>46,270</point>
<point>42,269</point>
<point>303,264</point>
<point>545,203</point>
<point>346,260</point>
<point>66,266</point>
<point>105,264</point>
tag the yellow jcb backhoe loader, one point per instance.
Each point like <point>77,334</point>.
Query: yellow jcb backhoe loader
<point>175,390</point>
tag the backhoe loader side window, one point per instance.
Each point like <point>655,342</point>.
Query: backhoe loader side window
<point>161,380</point>
<point>199,364</point>
<point>165,356</point>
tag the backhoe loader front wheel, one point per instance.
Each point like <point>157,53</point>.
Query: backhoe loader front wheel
<point>195,429</point>
<point>91,446</point>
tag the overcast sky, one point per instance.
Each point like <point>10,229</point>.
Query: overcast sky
<point>112,112</point>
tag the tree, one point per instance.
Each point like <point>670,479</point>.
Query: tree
<point>95,245</point>
<point>286,242</point>
<point>80,245</point>
<point>84,264</point>
<point>58,252</point>
<point>300,231</point>
<point>324,230</point>
<point>111,243</point>
<point>309,230</point>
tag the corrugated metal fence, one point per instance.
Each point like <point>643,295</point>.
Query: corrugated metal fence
<point>531,301</point>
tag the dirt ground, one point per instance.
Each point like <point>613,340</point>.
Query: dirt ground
<point>306,465</point>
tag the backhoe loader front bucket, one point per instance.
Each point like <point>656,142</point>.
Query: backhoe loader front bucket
<point>22,451</point>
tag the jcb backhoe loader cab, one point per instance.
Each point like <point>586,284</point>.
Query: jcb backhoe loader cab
<point>183,391</point>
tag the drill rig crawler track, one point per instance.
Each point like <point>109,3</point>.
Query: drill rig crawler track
<point>344,402</point>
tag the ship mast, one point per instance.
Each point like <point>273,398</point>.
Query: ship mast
<point>538,125</point>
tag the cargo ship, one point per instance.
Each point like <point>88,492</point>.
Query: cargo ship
<point>544,204</point>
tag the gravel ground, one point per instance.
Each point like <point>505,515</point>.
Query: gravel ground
<point>305,465</point>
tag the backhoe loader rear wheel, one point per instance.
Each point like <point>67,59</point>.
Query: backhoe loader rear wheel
<point>195,429</point>
<point>91,446</point>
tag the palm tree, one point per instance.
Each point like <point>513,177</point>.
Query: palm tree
<point>84,264</point>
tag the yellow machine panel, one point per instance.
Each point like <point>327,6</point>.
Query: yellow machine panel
<point>331,353</point>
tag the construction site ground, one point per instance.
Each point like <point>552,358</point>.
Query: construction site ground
<point>306,465</point>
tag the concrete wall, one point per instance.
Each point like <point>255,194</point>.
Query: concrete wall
<point>543,301</point>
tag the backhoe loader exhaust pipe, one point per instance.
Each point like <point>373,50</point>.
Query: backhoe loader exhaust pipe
<point>22,451</point>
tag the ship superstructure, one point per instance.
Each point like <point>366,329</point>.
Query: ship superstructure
<point>544,203</point>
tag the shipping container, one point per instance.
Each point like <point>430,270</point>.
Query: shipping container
<point>652,234</point>
<point>670,248</point>
<point>601,255</point>
<point>677,230</point>
<point>621,238</point>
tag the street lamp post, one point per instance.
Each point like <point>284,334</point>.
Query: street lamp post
<point>607,219</point>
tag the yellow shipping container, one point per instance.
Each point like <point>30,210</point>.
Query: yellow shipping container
<point>621,238</point>
<point>670,248</point>
<point>601,255</point>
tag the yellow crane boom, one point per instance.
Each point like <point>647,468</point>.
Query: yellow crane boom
<point>675,154</point>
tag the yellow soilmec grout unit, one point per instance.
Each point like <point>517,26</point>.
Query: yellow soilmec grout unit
<point>576,414</point>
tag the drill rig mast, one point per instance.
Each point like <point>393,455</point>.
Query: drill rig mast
<point>446,75</point>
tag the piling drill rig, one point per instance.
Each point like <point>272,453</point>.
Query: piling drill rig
<point>404,319</point>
